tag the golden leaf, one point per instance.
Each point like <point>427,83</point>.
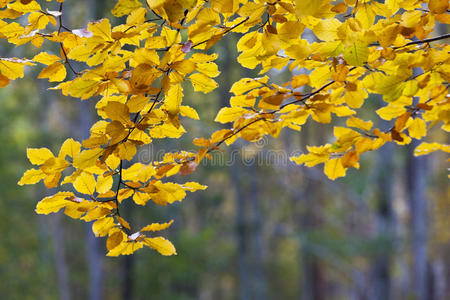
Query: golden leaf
<point>39,156</point>
<point>202,83</point>
<point>334,168</point>
<point>160,244</point>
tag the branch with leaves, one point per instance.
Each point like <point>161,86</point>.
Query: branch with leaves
<point>137,71</point>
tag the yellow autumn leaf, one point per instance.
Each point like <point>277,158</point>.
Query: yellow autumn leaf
<point>13,67</point>
<point>85,183</point>
<point>31,176</point>
<point>160,244</point>
<point>426,148</point>
<point>417,129</point>
<point>54,203</point>
<point>356,54</point>
<point>210,69</point>
<point>54,72</point>
<point>101,227</point>
<point>307,7</point>
<point>38,156</point>
<point>390,112</point>
<point>104,184</point>
<point>25,7</point>
<point>358,123</point>
<point>327,29</point>
<point>87,158</point>
<point>124,7</point>
<point>70,147</point>
<point>334,168</point>
<point>116,131</point>
<point>229,114</point>
<point>187,111</point>
<point>315,156</point>
<point>101,29</point>
<point>173,99</point>
<point>117,111</point>
<point>354,97</point>
<point>157,226</point>
<point>246,84</point>
<point>202,83</point>
<point>126,247</point>
<point>193,186</point>
<point>82,88</point>
<point>45,58</point>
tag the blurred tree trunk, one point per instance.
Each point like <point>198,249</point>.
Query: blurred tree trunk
<point>415,185</point>
<point>236,171</point>
<point>259,285</point>
<point>313,284</point>
<point>384,222</point>
<point>62,270</point>
<point>242,247</point>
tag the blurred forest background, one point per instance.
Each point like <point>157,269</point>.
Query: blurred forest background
<point>264,229</point>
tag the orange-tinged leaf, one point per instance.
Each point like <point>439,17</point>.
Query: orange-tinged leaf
<point>401,121</point>
<point>4,81</point>
<point>334,168</point>
<point>117,111</point>
<point>160,244</point>
<point>114,240</point>
<point>300,80</point>
<point>350,159</point>
<point>116,131</point>
<point>438,6</point>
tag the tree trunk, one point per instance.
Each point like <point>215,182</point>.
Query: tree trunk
<point>241,235</point>
<point>385,222</point>
<point>62,270</point>
<point>259,286</point>
<point>415,185</point>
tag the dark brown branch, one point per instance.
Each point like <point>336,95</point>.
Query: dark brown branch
<point>225,32</point>
<point>437,38</point>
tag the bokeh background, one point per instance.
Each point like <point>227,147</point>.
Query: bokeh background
<point>264,229</point>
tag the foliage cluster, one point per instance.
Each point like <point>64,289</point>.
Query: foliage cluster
<point>136,72</point>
